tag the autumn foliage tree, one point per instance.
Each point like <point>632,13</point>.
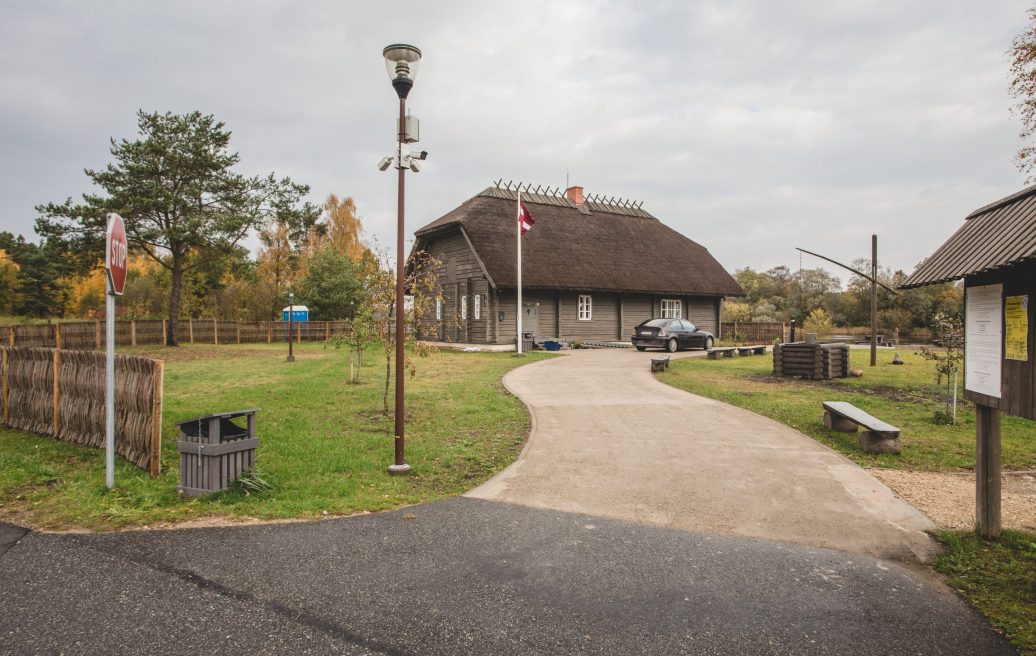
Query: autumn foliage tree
<point>177,191</point>
<point>1023,90</point>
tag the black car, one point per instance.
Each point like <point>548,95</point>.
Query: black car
<point>671,335</point>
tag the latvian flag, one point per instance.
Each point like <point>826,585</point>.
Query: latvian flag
<point>525,219</point>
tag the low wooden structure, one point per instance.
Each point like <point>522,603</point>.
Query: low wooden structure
<point>877,437</point>
<point>215,451</point>
<point>660,363</point>
<point>812,361</point>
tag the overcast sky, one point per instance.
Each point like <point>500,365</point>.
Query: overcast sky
<point>752,127</point>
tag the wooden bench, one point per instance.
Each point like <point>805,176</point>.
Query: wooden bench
<point>660,363</point>
<point>717,353</point>
<point>877,437</point>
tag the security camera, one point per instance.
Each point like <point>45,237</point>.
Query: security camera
<point>384,163</point>
<point>421,155</point>
<point>414,166</point>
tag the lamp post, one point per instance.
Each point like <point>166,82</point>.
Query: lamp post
<point>402,61</point>
<point>291,322</point>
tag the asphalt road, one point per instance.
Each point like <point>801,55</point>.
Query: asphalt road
<point>466,576</point>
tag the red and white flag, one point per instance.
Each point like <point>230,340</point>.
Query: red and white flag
<point>525,219</point>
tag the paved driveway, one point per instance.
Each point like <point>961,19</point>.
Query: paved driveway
<point>608,439</point>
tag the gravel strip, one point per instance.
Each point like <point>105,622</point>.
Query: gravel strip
<point>948,498</point>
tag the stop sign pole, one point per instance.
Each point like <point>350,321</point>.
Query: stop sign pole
<point>116,255</point>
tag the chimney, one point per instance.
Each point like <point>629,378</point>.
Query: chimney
<point>575,194</point>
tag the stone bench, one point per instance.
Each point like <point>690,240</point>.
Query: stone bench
<point>751,350</point>
<point>659,363</point>
<point>877,437</point>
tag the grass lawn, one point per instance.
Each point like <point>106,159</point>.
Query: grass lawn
<point>903,395</point>
<point>998,578</point>
<point>324,444</point>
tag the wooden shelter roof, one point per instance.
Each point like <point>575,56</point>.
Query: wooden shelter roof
<point>596,246</point>
<point>998,235</point>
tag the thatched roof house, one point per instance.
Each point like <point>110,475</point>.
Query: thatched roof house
<point>591,269</point>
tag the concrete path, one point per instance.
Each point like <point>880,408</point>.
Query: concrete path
<point>610,440</point>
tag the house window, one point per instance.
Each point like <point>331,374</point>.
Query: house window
<point>478,307</point>
<point>464,308</point>
<point>671,308</point>
<point>438,309</point>
<point>585,308</point>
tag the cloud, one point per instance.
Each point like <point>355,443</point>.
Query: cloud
<point>749,126</point>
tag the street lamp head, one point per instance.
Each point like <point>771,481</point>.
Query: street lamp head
<point>291,297</point>
<point>401,61</point>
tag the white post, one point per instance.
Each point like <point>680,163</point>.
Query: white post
<point>955,370</point>
<point>109,388</point>
<point>518,217</point>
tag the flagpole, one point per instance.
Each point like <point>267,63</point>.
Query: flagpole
<point>518,221</point>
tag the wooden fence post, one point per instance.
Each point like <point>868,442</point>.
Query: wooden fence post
<point>156,418</point>
<point>269,333</point>
<point>57,335</point>
<point>165,331</point>
<point>190,329</point>
<point>327,330</point>
<point>97,334</point>
<point>133,332</point>
<point>215,331</point>
<point>6,387</point>
<point>57,388</point>
<point>10,335</point>
<point>239,331</point>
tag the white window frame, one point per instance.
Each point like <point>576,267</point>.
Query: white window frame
<point>464,308</point>
<point>478,307</point>
<point>669,306</point>
<point>585,307</point>
<point>438,308</point>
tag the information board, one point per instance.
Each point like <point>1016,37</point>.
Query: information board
<point>983,334</point>
<point>1016,328</point>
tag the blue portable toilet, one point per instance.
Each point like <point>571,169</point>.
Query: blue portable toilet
<point>300,313</point>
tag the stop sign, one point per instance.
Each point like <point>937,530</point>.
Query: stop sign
<point>116,254</point>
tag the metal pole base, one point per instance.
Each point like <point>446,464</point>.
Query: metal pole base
<point>399,470</point>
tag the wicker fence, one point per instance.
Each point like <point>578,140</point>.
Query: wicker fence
<point>753,333</point>
<point>60,393</point>
<point>766,333</point>
<point>89,335</point>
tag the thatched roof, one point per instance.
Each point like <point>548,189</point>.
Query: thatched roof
<point>598,246</point>
<point>998,235</point>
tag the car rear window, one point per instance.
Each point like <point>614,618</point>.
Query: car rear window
<point>656,323</point>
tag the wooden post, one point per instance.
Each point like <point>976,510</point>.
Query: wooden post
<point>239,331</point>
<point>215,331</point>
<point>133,332</point>
<point>156,418</point>
<point>327,330</point>
<point>987,470</point>
<point>190,329</point>
<point>4,391</point>
<point>57,335</point>
<point>874,300</point>
<point>97,334</point>
<point>57,388</point>
<point>10,335</point>
<point>269,333</point>
<point>165,331</point>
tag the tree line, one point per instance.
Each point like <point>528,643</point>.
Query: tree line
<point>187,209</point>
<point>816,299</point>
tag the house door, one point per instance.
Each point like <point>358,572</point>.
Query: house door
<point>531,320</point>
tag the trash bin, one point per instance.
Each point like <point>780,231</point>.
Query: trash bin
<point>215,451</point>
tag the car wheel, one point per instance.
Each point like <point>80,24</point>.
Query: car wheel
<point>640,348</point>
<point>672,345</point>
<point>708,343</point>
